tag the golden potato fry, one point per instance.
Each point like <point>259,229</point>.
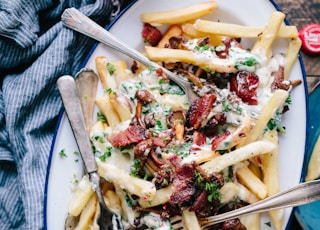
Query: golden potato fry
<point>173,31</point>
<point>238,155</point>
<point>87,214</point>
<point>314,163</point>
<point>252,182</point>
<point>240,31</point>
<point>190,220</point>
<point>176,55</point>
<point>107,81</point>
<point>108,110</point>
<point>190,31</point>
<point>269,34</point>
<point>291,56</point>
<point>276,100</point>
<point>80,197</point>
<point>181,15</point>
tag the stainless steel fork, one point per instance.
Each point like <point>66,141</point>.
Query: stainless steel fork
<point>303,193</point>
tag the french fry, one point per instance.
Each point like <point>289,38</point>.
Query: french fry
<point>180,15</point>
<point>108,110</point>
<point>251,181</point>
<point>313,171</point>
<point>291,56</point>
<point>107,81</point>
<point>80,197</point>
<point>269,34</point>
<point>176,55</point>
<point>142,188</point>
<point>87,214</point>
<point>99,126</point>
<point>271,179</point>
<point>200,156</point>
<point>173,31</point>
<point>112,201</point>
<point>190,31</point>
<point>275,102</point>
<point>128,214</point>
<point>240,31</point>
<point>190,220</point>
<point>121,72</point>
<point>162,196</point>
<point>253,149</point>
<point>246,195</point>
<point>122,107</point>
<point>251,221</point>
<point>228,192</point>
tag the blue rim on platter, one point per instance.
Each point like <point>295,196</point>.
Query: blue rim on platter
<point>45,216</point>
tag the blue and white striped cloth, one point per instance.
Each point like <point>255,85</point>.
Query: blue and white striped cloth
<point>35,49</point>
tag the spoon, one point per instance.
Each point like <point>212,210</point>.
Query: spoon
<point>77,21</point>
<point>71,101</point>
<point>87,82</point>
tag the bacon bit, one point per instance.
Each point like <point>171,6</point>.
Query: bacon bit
<point>183,184</point>
<point>218,139</point>
<point>278,80</point>
<point>132,135</point>
<point>164,138</point>
<point>245,85</point>
<point>201,201</point>
<point>199,110</point>
<point>175,160</point>
<point>227,43</point>
<point>151,34</point>
<point>198,138</point>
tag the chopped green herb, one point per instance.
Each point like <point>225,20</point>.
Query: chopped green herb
<point>268,224</point>
<point>85,97</point>
<point>248,61</point>
<point>100,117</point>
<point>289,100</point>
<point>109,91</point>
<point>158,124</point>
<point>62,153</point>
<point>135,169</point>
<point>106,154</point>
<point>226,105</point>
<point>111,68</point>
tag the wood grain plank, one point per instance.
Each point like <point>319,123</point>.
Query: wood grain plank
<point>301,13</point>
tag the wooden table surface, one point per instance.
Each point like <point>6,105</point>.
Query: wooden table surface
<point>301,13</point>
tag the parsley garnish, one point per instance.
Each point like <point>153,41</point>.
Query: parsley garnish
<point>111,68</point>
<point>100,117</point>
<point>135,169</point>
<point>62,153</point>
<point>106,154</point>
<point>268,224</point>
<point>213,189</point>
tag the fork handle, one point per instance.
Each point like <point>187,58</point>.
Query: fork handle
<point>77,21</point>
<point>301,194</point>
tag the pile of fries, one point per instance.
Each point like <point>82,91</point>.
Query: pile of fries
<point>253,155</point>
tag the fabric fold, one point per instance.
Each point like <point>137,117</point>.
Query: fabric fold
<point>29,100</point>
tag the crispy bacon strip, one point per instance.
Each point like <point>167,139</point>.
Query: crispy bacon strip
<point>132,135</point>
<point>199,110</point>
